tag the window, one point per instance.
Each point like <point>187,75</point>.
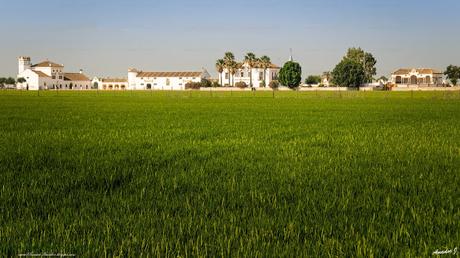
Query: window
<point>261,76</point>
<point>242,74</point>
<point>226,76</point>
<point>180,78</point>
<point>60,77</point>
<point>54,76</point>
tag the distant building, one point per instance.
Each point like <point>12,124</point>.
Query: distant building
<point>420,77</point>
<point>244,75</point>
<point>326,79</point>
<point>110,83</point>
<point>140,80</point>
<point>49,75</point>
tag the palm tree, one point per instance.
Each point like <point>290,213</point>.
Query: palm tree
<point>251,60</point>
<point>265,63</point>
<point>233,68</point>
<point>220,65</point>
<point>229,62</point>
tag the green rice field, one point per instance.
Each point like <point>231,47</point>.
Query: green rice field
<point>229,174</point>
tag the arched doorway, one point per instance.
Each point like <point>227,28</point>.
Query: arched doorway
<point>398,79</point>
<point>168,82</point>
<point>413,79</point>
<point>428,80</point>
<point>149,86</point>
<point>95,85</point>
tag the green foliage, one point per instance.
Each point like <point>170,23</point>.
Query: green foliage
<point>241,85</point>
<point>348,73</point>
<point>193,85</point>
<point>205,83</point>
<point>10,81</point>
<point>291,75</point>
<point>215,84</point>
<point>274,84</point>
<point>263,84</point>
<point>453,74</point>
<point>7,81</point>
<point>313,79</point>
<point>367,60</point>
<point>187,174</point>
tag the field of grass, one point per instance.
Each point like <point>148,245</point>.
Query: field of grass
<point>188,174</point>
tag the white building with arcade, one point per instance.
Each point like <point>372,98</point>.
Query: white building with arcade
<point>141,80</point>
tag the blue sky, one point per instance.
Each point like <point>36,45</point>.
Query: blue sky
<point>105,38</point>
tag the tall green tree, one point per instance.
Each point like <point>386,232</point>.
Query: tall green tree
<point>2,82</point>
<point>220,65</point>
<point>366,60</point>
<point>265,63</point>
<point>453,74</point>
<point>348,73</point>
<point>251,60</point>
<point>291,74</point>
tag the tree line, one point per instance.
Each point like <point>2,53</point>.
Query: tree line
<point>10,81</point>
<point>356,68</point>
<point>229,63</point>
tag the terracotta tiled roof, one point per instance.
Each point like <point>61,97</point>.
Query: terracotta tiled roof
<point>75,77</point>
<point>114,80</point>
<point>41,74</point>
<point>404,71</point>
<point>169,74</point>
<point>272,66</point>
<point>47,64</point>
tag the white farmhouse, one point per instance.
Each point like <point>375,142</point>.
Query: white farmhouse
<point>49,75</point>
<point>243,74</point>
<point>140,80</point>
<point>420,77</point>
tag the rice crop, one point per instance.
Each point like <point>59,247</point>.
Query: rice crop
<point>229,174</point>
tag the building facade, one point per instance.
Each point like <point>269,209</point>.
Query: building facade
<point>110,83</point>
<point>140,80</point>
<point>419,77</point>
<point>49,75</point>
<point>260,77</point>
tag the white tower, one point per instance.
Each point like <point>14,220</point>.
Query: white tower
<point>132,75</point>
<point>24,63</point>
